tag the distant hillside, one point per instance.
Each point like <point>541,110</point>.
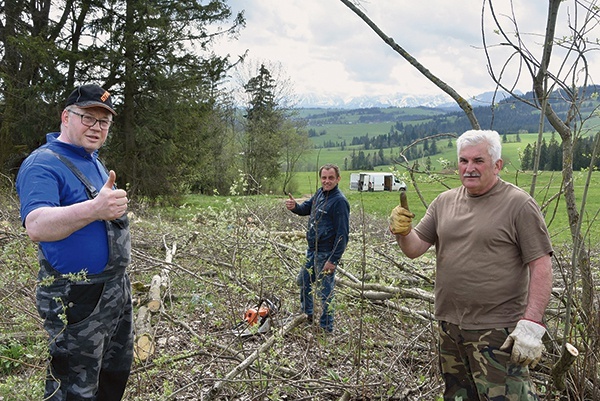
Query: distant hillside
<point>320,117</point>
<point>507,116</point>
<point>511,115</point>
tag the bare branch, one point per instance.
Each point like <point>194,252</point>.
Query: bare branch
<point>462,102</point>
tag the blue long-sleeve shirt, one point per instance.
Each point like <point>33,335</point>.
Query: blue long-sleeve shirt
<point>328,225</point>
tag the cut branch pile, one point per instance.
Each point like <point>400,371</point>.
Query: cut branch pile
<point>384,345</point>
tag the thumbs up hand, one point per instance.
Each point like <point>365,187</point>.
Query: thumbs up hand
<point>111,203</point>
<point>291,202</point>
<point>401,217</point>
<point>112,178</point>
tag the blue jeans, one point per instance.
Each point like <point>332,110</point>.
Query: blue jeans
<point>313,283</point>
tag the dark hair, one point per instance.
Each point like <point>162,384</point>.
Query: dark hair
<point>329,167</point>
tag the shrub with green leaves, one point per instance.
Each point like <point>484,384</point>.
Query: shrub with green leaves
<point>10,357</point>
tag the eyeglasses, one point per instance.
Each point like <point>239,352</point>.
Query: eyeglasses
<point>90,121</point>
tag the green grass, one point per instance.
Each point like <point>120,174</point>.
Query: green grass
<point>318,117</point>
<point>316,157</point>
<point>548,184</point>
<point>380,204</point>
<point>338,133</point>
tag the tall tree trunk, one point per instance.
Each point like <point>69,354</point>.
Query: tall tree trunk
<point>10,69</point>
<point>580,255</point>
<point>128,114</point>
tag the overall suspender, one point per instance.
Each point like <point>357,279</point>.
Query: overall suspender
<point>90,189</point>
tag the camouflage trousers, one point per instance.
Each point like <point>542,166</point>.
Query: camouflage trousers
<point>90,326</point>
<point>474,368</point>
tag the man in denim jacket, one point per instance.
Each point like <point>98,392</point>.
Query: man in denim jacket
<point>327,237</point>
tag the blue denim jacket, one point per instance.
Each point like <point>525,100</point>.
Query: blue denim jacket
<point>328,224</point>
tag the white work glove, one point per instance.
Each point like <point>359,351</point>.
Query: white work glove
<point>526,341</point>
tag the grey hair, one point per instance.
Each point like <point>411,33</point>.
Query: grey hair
<point>475,137</point>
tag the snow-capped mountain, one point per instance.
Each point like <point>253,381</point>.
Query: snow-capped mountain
<point>396,100</point>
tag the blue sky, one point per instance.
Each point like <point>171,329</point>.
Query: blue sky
<point>323,47</point>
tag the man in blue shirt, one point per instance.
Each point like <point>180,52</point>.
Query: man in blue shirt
<point>327,237</point>
<point>72,208</point>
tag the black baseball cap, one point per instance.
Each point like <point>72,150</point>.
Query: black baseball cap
<point>86,96</point>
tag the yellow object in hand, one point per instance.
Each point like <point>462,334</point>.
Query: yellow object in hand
<point>401,217</point>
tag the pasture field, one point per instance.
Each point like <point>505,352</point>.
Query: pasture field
<point>548,184</point>
<point>380,204</point>
<point>346,131</point>
<point>338,133</point>
<point>353,115</point>
<point>511,150</point>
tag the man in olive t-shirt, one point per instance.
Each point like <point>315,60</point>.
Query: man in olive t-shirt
<point>493,275</point>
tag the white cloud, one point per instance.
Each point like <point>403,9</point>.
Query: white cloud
<point>324,47</point>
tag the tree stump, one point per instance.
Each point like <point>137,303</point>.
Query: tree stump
<point>562,366</point>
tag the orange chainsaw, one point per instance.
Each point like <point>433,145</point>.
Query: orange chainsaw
<point>257,319</point>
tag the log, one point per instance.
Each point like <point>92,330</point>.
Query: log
<point>154,302</point>
<point>218,385</point>
<point>401,266</point>
<point>165,281</point>
<point>143,346</point>
<point>170,252</point>
<point>377,295</point>
<point>562,366</point>
<point>415,293</point>
<point>346,273</point>
<point>289,235</point>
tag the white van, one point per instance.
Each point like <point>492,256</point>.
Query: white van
<point>372,181</point>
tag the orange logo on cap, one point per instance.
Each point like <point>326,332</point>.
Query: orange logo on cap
<point>105,96</point>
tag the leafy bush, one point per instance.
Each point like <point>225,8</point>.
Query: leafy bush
<point>10,358</point>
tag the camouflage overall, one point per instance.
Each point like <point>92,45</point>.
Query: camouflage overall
<point>91,355</point>
<point>475,369</point>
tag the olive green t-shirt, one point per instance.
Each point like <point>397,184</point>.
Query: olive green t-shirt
<point>483,244</point>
